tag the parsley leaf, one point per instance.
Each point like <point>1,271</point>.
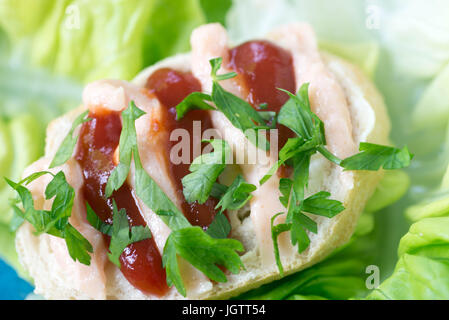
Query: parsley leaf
<point>298,234</point>
<point>64,196</point>
<point>294,147</point>
<point>239,112</point>
<point>127,137</point>
<point>297,222</point>
<point>78,246</point>
<point>55,221</point>
<point>215,64</point>
<point>320,204</point>
<point>155,199</point>
<point>195,100</point>
<point>301,165</point>
<point>373,157</point>
<point>233,197</point>
<point>285,187</point>
<point>205,170</point>
<point>203,252</point>
<point>38,218</point>
<point>146,188</point>
<point>120,232</point>
<point>170,263</point>
<point>220,227</point>
<point>65,150</point>
<point>96,222</point>
<point>236,195</point>
<point>218,190</point>
<point>276,230</point>
<point>297,115</point>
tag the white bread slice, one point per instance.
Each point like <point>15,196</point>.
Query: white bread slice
<point>369,122</point>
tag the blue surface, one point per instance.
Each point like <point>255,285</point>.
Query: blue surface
<point>11,286</point>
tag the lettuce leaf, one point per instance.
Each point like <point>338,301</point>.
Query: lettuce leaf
<point>215,11</point>
<point>423,264</point>
<point>90,40</point>
<point>432,108</point>
<point>8,251</point>
<point>169,27</point>
<point>418,36</point>
<point>348,26</point>
<point>341,276</point>
<point>391,188</point>
<point>423,252</point>
<point>363,54</point>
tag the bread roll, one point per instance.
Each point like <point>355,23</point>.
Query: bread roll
<point>346,101</point>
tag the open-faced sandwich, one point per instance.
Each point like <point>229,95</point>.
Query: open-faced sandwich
<point>212,173</point>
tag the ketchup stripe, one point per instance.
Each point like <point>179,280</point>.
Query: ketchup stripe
<point>141,262</point>
<point>171,87</point>
<point>262,68</point>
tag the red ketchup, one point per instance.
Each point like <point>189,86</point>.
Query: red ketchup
<point>141,262</point>
<point>171,87</point>
<point>262,67</point>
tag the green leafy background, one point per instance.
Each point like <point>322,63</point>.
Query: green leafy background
<point>49,49</point>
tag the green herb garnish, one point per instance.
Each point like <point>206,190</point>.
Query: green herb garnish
<point>205,170</point>
<point>56,220</point>
<point>195,100</point>
<point>239,112</point>
<point>126,145</point>
<point>297,222</point>
<point>220,227</point>
<point>120,232</point>
<point>373,157</point>
<point>236,195</point>
<point>233,197</point>
<point>203,252</point>
<point>65,150</point>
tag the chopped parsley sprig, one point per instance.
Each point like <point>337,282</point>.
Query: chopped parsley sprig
<point>233,197</point>
<point>65,150</point>
<point>201,250</point>
<point>126,144</point>
<point>205,170</point>
<point>56,220</point>
<point>373,157</point>
<point>297,222</point>
<point>239,112</point>
<point>120,232</point>
<point>202,183</point>
<point>236,195</point>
